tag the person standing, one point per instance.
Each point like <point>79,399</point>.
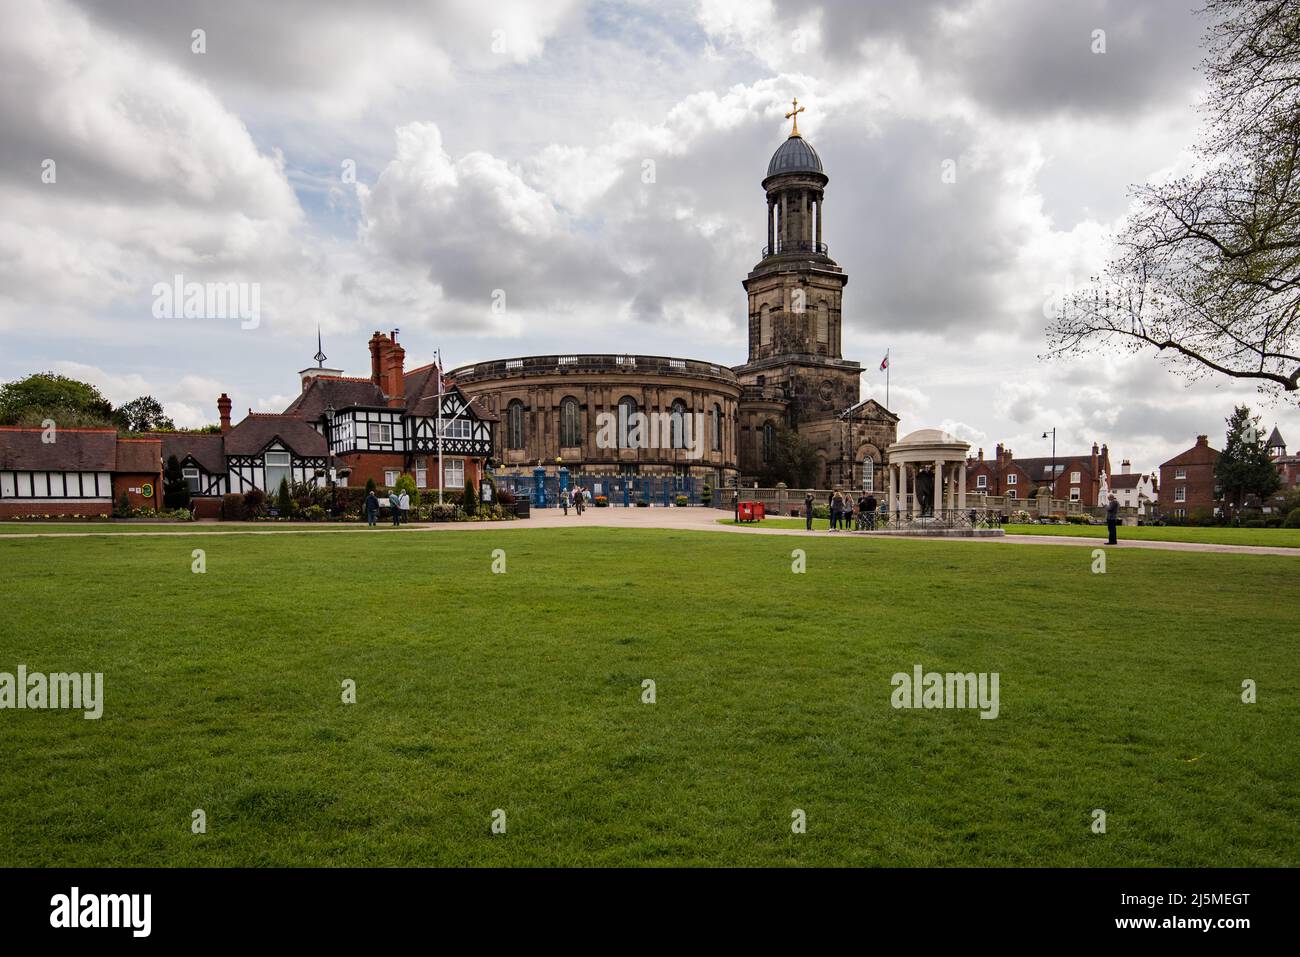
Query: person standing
<point>869,505</point>
<point>395,505</point>
<point>564,500</point>
<point>846,512</point>
<point>579,499</point>
<point>1112,519</point>
<point>808,511</point>
<point>372,508</point>
<point>735,506</point>
<point>404,505</point>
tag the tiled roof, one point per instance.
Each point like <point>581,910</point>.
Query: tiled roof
<point>207,448</point>
<point>73,450</point>
<point>255,433</point>
<point>1126,481</point>
<point>339,392</point>
<point>139,455</point>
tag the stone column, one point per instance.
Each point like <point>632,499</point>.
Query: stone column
<point>904,505</point>
<point>771,225</point>
<point>785,218</point>
<point>952,486</point>
<point>889,489</point>
<point>938,486</point>
<point>819,222</point>
<point>961,488</point>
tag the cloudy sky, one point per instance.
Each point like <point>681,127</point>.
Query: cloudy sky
<point>419,165</point>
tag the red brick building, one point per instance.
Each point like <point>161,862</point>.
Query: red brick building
<point>1075,478</point>
<point>1187,481</point>
<point>81,472</point>
<point>1288,466</point>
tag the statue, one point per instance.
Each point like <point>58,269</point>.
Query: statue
<point>925,491</point>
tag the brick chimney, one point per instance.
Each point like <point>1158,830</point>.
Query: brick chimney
<point>376,360</point>
<point>394,384</point>
<point>223,410</point>
<point>1203,440</point>
<point>1126,467</point>
<point>981,453</point>
<point>1000,453</point>
<point>1093,462</point>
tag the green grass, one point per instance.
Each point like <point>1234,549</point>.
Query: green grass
<point>522,691</point>
<point>1277,537</point>
<point>179,528</point>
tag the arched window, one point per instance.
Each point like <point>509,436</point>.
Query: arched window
<point>868,473</point>
<point>823,322</point>
<point>515,424</point>
<point>626,433</point>
<point>570,423</point>
<point>717,427</point>
<point>764,325</point>
<point>769,441</point>
<point>677,420</point>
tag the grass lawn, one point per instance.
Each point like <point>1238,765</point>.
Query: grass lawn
<point>183,528</point>
<point>523,692</point>
<point>1277,537</point>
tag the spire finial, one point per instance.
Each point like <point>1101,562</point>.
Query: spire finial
<point>795,110</point>
<point>320,355</point>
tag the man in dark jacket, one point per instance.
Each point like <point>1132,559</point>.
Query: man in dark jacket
<point>807,511</point>
<point>868,509</point>
<point>372,507</point>
<point>1112,519</point>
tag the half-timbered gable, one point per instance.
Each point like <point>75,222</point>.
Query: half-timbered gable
<point>202,458</point>
<point>264,450</point>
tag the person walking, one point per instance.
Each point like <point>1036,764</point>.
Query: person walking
<point>579,499</point>
<point>1112,519</point>
<point>372,508</point>
<point>395,505</point>
<point>404,506</point>
<point>808,511</point>
<point>564,500</point>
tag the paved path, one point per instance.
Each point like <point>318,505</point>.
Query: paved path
<point>685,519</point>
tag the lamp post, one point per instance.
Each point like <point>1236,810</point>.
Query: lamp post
<point>1053,486</point>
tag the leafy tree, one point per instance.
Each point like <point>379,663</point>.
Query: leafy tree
<point>45,395</point>
<point>176,490</point>
<point>406,483</point>
<point>144,414</point>
<point>1208,267</point>
<point>370,485</point>
<point>794,460</point>
<point>471,497</point>
<point>1244,468</point>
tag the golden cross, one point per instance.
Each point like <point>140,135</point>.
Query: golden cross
<point>795,110</point>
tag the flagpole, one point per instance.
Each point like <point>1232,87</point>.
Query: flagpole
<point>438,425</point>
<point>887,364</point>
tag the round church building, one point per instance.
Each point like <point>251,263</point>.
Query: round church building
<point>611,414</point>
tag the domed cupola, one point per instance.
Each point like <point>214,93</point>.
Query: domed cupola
<point>795,155</point>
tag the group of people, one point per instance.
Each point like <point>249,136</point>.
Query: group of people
<point>578,499</point>
<point>398,501</point>
<point>843,509</point>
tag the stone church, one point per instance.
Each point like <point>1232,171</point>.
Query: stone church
<point>795,376</point>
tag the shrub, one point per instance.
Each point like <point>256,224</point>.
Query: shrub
<point>506,497</point>
<point>1253,523</point>
<point>283,500</point>
<point>176,491</point>
<point>314,513</point>
<point>821,511</point>
<point>1293,519</point>
<point>232,507</point>
<point>642,503</point>
<point>469,500</point>
<point>706,494</point>
<point>446,513</point>
<point>254,503</point>
<point>123,507</point>
<point>370,485</point>
<point>682,501</point>
<point>177,514</point>
<point>602,501</point>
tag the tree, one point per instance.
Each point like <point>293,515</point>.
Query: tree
<point>1244,468</point>
<point>176,490</point>
<point>470,504</point>
<point>794,460</point>
<point>45,395</point>
<point>144,414</point>
<point>284,499</point>
<point>1208,267</point>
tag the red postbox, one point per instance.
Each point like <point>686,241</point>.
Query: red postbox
<point>745,512</point>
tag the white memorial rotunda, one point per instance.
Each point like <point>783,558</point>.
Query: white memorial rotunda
<point>927,485</point>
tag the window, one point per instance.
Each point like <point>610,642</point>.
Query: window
<point>677,421</point>
<point>390,477</point>
<point>422,473</point>
<point>764,325</point>
<point>453,473</point>
<point>455,428</point>
<point>868,474</point>
<point>981,481</point>
<point>1011,493</point>
<point>191,480</point>
<point>570,423</point>
<point>1180,473</point>
<point>1075,478</point>
<point>277,470</point>
<point>626,409</point>
<point>823,322</point>
<point>1012,479</point>
<point>381,433</point>
<point>1074,495</point>
<point>1180,493</point>
<point>769,440</point>
<point>515,425</point>
<point>717,427</point>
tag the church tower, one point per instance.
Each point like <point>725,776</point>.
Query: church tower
<point>795,292</point>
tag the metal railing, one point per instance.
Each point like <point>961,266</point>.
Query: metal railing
<point>794,246</point>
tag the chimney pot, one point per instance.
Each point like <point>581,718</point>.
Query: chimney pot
<point>223,411</point>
